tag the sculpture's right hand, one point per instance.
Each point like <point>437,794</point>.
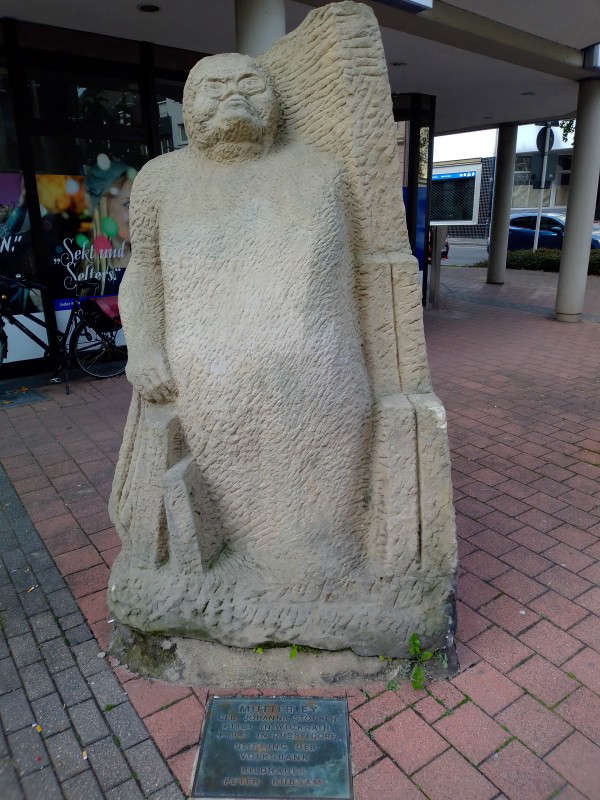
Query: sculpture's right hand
<point>151,377</point>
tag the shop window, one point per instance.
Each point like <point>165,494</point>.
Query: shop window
<point>16,253</point>
<point>15,235</point>
<point>99,101</point>
<point>84,186</point>
<point>170,115</point>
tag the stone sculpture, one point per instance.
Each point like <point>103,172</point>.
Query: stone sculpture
<point>284,473</point>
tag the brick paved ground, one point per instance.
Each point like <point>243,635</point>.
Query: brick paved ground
<point>520,721</point>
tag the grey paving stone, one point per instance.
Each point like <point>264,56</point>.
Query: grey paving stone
<point>106,689</point>
<point>23,578</point>
<point>66,754</point>
<point>4,652</point>
<point>148,766</point>
<point>14,711</point>
<point>72,686</point>
<point>89,722</point>
<point>108,763</point>
<point>126,791</point>
<point>40,559</point>
<point>52,582</point>
<point>170,792</point>
<point>9,677</point>
<point>78,634</point>
<point>42,785</point>
<point>50,715</point>
<point>34,601</point>
<point>9,599</point>
<point>14,622</point>
<point>36,680</point>
<point>8,540</point>
<point>88,661</point>
<point>14,559</point>
<point>82,787</point>
<point>24,649</point>
<point>28,538</point>
<point>126,724</point>
<point>11,789</point>
<point>61,601</point>
<point>44,626</point>
<point>71,620</point>
<point>57,655</point>
<point>28,751</point>
<point>3,573</point>
<point>3,744</point>
<point>21,524</point>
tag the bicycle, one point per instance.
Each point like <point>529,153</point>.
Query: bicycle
<point>92,339</point>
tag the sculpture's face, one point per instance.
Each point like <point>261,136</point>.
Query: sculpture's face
<point>229,101</point>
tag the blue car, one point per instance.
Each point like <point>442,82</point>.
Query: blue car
<point>552,225</point>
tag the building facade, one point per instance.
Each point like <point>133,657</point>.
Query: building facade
<point>525,194</point>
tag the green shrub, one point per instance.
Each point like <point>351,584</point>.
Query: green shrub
<point>544,260</point>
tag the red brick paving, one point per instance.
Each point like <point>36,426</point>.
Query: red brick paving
<point>472,732</point>
<point>521,394</point>
<point>521,774</point>
<point>535,725</point>
<point>450,776</point>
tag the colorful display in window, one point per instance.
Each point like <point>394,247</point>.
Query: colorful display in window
<point>85,221</point>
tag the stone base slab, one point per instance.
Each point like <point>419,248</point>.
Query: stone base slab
<point>194,662</point>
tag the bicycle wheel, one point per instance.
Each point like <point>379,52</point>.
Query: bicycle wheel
<point>101,354</point>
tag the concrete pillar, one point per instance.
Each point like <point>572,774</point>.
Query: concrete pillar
<point>503,189</point>
<point>581,206</point>
<point>258,24</point>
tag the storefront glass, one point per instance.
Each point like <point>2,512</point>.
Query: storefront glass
<point>80,116</point>
<point>169,102</point>
<point>16,254</point>
<point>84,186</point>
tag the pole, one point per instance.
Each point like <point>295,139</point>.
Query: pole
<point>259,23</point>
<point>542,188</point>
<point>438,236</point>
<point>575,256</point>
<point>503,188</point>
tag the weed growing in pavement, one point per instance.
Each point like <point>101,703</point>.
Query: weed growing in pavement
<point>418,657</point>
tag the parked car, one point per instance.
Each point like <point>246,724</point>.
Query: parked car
<point>552,225</point>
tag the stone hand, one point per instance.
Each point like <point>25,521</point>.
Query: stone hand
<point>151,377</point>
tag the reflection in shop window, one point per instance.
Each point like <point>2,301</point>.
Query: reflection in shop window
<point>564,177</point>
<point>102,101</point>
<point>169,101</point>
<point>524,194</point>
<point>84,203</point>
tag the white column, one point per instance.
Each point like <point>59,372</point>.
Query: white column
<point>258,24</point>
<point>503,189</point>
<point>583,187</point>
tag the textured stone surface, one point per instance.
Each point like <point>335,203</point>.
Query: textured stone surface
<point>284,472</point>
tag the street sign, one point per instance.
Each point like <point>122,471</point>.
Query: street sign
<point>540,141</point>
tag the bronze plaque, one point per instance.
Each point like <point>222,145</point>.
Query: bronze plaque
<point>275,747</point>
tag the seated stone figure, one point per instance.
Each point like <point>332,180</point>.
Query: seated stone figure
<point>284,473</point>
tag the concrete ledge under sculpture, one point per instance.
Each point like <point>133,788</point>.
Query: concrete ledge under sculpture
<point>284,474</point>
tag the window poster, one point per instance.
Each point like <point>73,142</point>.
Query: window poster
<point>15,242</point>
<point>85,224</point>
